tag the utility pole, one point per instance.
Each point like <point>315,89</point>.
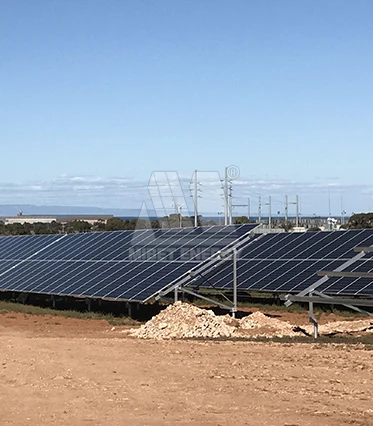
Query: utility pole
<point>297,211</point>
<point>343,212</point>
<point>194,194</point>
<point>248,209</point>
<point>270,212</point>
<point>286,208</point>
<point>226,197</point>
<point>230,203</point>
<point>259,209</point>
<point>195,199</point>
<point>180,216</point>
<point>269,204</point>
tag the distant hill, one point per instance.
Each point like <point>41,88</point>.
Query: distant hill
<point>30,209</point>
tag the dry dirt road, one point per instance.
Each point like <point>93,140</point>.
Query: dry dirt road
<point>59,371</point>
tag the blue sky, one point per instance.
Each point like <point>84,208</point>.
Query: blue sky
<point>96,95</point>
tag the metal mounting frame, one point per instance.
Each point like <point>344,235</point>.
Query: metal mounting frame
<point>307,295</point>
<point>230,253</point>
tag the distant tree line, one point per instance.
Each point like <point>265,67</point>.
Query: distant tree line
<point>359,221</point>
<point>112,224</point>
<point>40,228</point>
<point>239,220</point>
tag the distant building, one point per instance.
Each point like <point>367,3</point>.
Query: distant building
<point>299,229</point>
<point>28,219</point>
<point>91,219</point>
<point>21,219</point>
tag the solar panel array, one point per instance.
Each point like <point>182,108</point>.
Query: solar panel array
<point>289,262</point>
<point>135,265</point>
<point>122,265</point>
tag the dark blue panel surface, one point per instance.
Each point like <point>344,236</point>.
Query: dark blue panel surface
<point>290,262</point>
<point>22,247</point>
<point>134,265</point>
<point>123,265</point>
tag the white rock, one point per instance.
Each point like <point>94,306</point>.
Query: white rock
<point>162,325</point>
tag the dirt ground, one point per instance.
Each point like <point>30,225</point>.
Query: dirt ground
<point>61,371</point>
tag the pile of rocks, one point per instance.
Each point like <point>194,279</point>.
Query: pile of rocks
<point>182,320</point>
<point>262,325</point>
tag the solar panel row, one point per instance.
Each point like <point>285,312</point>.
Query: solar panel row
<point>290,262</point>
<point>125,265</point>
<point>135,265</point>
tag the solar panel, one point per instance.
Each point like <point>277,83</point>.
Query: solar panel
<point>289,262</point>
<point>351,286</point>
<point>122,265</point>
<point>22,247</point>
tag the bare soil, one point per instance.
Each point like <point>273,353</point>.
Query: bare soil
<point>62,371</point>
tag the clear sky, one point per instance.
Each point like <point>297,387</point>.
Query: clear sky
<point>95,95</point>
